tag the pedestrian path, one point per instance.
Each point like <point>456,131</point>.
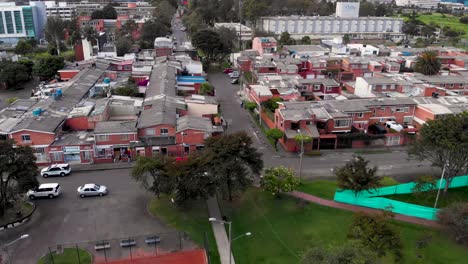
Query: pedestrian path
<point>355,208</point>
<point>219,231</point>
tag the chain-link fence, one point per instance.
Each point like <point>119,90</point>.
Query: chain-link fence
<point>102,251</point>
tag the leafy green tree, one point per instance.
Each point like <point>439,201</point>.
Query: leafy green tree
<point>23,47</point>
<point>254,9</point>
<point>299,138</point>
<point>55,31</point>
<point>285,39</point>
<point>18,169</point>
<point>376,233</point>
<point>279,180</point>
<point>206,89</point>
<point>28,64</point>
<point>272,103</point>
<point>164,12</point>
<point>90,34</point>
<point>306,40</point>
<point>152,173</point>
<point>454,220</point>
<point>233,160</point>
<point>274,134</point>
<point>108,12</point>
<point>228,38</point>
<point>356,176</point>
<point>13,73</point>
<point>128,28</point>
<point>250,106</point>
<point>425,186</point>
<point>352,252</point>
<point>127,90</point>
<point>366,9</point>
<point>123,45</point>
<point>346,39</point>
<point>209,42</point>
<point>47,66</point>
<point>152,29</point>
<point>444,142</point>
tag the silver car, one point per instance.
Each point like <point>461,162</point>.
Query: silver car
<point>92,189</point>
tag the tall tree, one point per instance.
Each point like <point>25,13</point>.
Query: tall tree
<point>274,134</point>
<point>306,40</point>
<point>285,39</point>
<point>153,29</point>
<point>375,232</point>
<point>233,160</point>
<point>352,252</point>
<point>23,47</point>
<point>90,34</point>
<point>254,9</point>
<point>164,12</point>
<point>151,172</point>
<point>123,45</point>
<point>18,169</point>
<point>55,31</point>
<point>444,142</point>
<point>356,176</point>
<point>128,28</point>
<point>427,63</point>
<point>108,12</point>
<point>209,42</point>
<point>13,73</point>
<point>454,220</point>
<point>279,180</point>
<point>47,66</point>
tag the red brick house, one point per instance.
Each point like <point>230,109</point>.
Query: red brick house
<point>112,139</point>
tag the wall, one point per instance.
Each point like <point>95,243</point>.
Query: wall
<point>388,111</point>
<point>362,88</point>
<point>37,138</point>
<point>78,123</point>
<point>191,136</point>
<point>157,129</point>
<point>199,110</point>
<point>114,139</point>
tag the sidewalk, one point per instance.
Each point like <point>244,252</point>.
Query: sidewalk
<point>355,208</point>
<point>219,231</point>
<point>102,166</point>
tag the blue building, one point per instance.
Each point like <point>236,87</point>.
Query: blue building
<point>465,2</point>
<point>18,22</point>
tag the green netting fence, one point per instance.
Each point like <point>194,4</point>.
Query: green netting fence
<point>373,200</point>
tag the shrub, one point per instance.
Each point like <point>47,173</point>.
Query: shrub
<point>454,219</point>
<point>11,100</point>
<point>250,106</point>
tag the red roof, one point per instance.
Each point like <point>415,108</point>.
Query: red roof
<point>197,256</point>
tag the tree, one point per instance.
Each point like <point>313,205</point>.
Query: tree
<point>127,90</point>
<point>23,47</point>
<point>228,38</point>
<point>47,66</point>
<point>233,160</point>
<point>351,252</point>
<point>90,34</point>
<point>154,168</point>
<point>279,180</point>
<point>164,12</point>
<point>209,42</point>
<point>464,19</point>
<point>152,29</point>
<point>366,9</point>
<point>375,232</point>
<point>274,134</point>
<point>285,39</point>
<point>206,89</point>
<point>410,28</point>
<point>454,219</point>
<point>444,142</point>
<point>123,45</point>
<point>355,176</point>
<point>128,28</point>
<point>346,39</point>
<point>254,9</point>
<point>300,138</point>
<point>272,103</point>
<point>425,186</point>
<point>250,106</point>
<point>13,73</point>
<point>28,64</point>
<point>108,12</point>
<point>427,31</point>
<point>55,31</point>
<point>18,169</point>
<point>306,40</point>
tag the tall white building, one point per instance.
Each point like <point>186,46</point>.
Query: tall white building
<point>347,9</point>
<point>418,3</point>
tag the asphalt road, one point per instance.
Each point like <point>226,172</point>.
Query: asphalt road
<point>394,162</point>
<point>71,219</point>
<point>179,35</point>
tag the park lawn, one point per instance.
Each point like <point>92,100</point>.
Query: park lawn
<point>326,188</point>
<point>454,195</point>
<point>449,20</point>
<point>69,256</point>
<point>283,229</point>
<point>192,219</point>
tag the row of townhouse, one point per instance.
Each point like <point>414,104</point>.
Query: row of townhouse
<point>345,123</point>
<point>78,127</point>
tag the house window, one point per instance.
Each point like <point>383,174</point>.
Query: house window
<point>329,89</point>
<point>164,131</point>
<point>149,132</point>
<point>26,138</point>
<point>102,137</point>
<point>393,141</point>
<point>56,156</point>
<point>342,123</point>
<point>402,110</point>
<point>124,137</point>
<point>317,87</point>
<point>360,115</point>
<point>408,119</point>
<point>40,150</point>
<point>87,155</point>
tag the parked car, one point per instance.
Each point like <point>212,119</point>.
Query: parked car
<point>233,73</point>
<point>56,170</point>
<point>50,190</point>
<point>228,70</point>
<point>376,129</point>
<point>183,29</point>
<point>235,81</point>
<point>92,189</point>
<point>394,125</point>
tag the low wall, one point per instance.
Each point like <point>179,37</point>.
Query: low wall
<point>19,221</point>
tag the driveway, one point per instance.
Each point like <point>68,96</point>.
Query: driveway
<point>70,219</point>
<point>394,162</point>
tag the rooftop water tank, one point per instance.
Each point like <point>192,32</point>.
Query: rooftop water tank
<point>59,92</point>
<point>107,80</point>
<point>37,111</point>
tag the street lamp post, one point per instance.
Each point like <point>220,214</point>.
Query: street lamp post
<point>11,243</point>
<point>300,155</point>
<point>212,219</point>
<point>259,110</point>
<point>440,185</point>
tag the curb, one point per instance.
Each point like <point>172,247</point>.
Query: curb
<point>93,168</point>
<point>21,221</point>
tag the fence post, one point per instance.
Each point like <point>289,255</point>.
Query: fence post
<point>105,254</point>
<point>78,254</point>
<point>51,256</point>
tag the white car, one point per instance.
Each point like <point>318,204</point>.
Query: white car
<point>233,74</point>
<point>394,125</point>
<point>56,170</point>
<point>92,189</point>
<point>50,190</point>
<point>183,29</point>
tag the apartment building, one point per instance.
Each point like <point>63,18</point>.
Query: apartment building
<point>21,21</point>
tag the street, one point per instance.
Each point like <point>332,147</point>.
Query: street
<point>392,163</point>
<point>70,219</point>
<point>179,35</point>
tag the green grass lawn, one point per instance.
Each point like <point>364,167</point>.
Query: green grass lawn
<point>448,20</point>
<point>69,256</point>
<point>454,195</point>
<point>283,229</point>
<point>326,188</point>
<point>192,219</point>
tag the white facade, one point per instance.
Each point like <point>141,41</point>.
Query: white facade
<point>365,50</point>
<point>316,25</point>
<point>347,9</point>
<point>241,30</point>
<point>62,9</point>
<point>418,3</point>
<point>363,88</point>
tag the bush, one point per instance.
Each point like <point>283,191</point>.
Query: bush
<point>11,100</point>
<point>464,19</point>
<point>126,91</point>
<point>69,55</point>
<point>250,106</point>
<point>454,219</point>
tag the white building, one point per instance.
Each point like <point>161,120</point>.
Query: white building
<point>60,9</point>
<point>364,49</point>
<point>418,3</point>
<point>347,9</point>
<point>241,30</point>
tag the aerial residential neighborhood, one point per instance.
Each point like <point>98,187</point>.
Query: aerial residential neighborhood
<point>224,131</point>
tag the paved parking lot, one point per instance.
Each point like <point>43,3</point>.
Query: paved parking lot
<point>70,219</point>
